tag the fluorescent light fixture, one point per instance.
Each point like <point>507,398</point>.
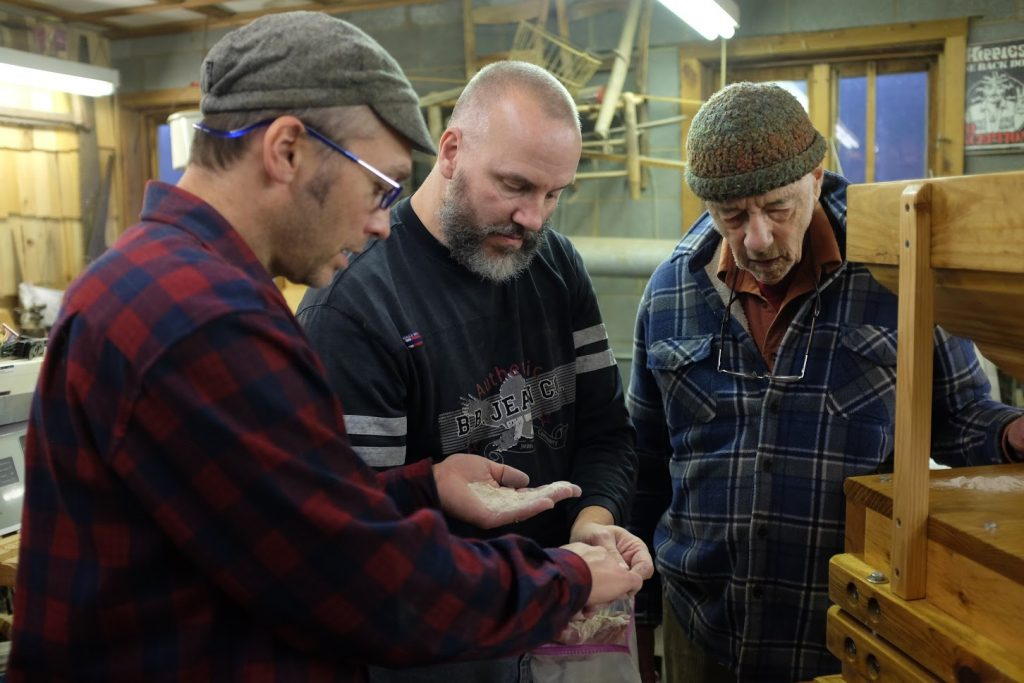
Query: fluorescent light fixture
<point>39,71</point>
<point>710,18</point>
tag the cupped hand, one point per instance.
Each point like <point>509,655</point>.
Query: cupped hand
<point>488,494</point>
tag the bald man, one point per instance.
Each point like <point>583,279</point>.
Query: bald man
<point>475,328</point>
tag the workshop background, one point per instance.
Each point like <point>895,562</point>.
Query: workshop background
<point>886,80</point>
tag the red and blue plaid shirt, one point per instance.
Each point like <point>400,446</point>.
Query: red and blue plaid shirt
<point>193,510</point>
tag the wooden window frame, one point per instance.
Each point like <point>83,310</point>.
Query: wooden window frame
<point>139,114</point>
<point>943,42</point>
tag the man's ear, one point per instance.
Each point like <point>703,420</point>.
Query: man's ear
<point>280,149</point>
<point>819,176</point>
<point>448,148</point>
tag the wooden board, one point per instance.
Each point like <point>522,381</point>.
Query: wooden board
<point>975,548</point>
<point>9,272</point>
<point>861,38</point>
<point>105,134</point>
<point>868,656</point>
<point>8,559</point>
<point>530,10</point>
<point>16,138</point>
<point>977,251</point>
<point>9,197</point>
<point>73,251</point>
<point>958,517</point>
<point>975,224</point>
<point>974,304</point>
<point>46,183</point>
<point>39,250</point>
<point>68,185</point>
<point>913,393</point>
<point>940,643</point>
<point>54,139</point>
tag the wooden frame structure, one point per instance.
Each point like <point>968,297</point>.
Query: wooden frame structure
<point>138,115</point>
<point>932,581</point>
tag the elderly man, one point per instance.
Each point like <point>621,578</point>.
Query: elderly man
<point>763,377</point>
<point>476,328</point>
<point>193,509</point>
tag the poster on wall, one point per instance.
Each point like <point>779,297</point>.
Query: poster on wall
<point>994,119</point>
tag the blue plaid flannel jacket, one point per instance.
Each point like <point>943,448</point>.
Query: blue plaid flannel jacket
<point>741,481</point>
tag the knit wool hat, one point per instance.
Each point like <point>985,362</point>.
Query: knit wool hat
<point>296,60</point>
<point>748,139</point>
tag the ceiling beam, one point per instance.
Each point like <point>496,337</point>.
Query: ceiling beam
<point>215,11</point>
<point>160,99</point>
<point>144,9</point>
<point>56,12</point>
<point>245,17</point>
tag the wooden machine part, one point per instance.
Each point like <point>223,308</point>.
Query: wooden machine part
<point>931,586</point>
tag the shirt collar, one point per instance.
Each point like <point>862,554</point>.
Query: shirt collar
<point>171,205</point>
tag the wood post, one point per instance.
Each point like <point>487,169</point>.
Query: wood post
<point>915,351</point>
<point>623,53</point>
<point>632,145</point>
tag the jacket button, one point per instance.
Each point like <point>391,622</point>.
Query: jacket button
<point>756,591</point>
<point>766,464</point>
<point>762,530</point>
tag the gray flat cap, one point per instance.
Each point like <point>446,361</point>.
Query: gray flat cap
<point>295,60</point>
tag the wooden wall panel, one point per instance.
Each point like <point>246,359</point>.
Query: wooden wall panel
<point>105,136</point>
<point>114,226</point>
<point>41,229</point>
<point>9,186</point>
<point>72,241</point>
<point>27,205</point>
<point>8,266</point>
<point>15,138</point>
<point>67,164</point>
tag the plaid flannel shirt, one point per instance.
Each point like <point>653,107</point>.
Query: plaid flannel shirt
<point>193,510</point>
<point>740,480</point>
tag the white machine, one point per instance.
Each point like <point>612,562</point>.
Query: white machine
<point>17,384</point>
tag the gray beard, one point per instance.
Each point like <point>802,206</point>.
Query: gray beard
<point>464,238</point>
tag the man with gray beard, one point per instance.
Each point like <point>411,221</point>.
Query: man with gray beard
<point>463,234</point>
<point>475,328</point>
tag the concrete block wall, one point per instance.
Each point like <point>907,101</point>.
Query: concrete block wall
<point>427,41</point>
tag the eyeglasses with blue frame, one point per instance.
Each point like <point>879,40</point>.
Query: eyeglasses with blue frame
<point>388,196</point>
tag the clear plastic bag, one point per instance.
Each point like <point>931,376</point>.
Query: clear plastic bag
<point>600,648</point>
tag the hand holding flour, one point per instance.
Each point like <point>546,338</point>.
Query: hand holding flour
<point>488,494</point>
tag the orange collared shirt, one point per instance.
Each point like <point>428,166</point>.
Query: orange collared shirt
<point>767,323</point>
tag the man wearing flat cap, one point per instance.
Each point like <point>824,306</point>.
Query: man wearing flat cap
<point>763,376</point>
<point>193,509</point>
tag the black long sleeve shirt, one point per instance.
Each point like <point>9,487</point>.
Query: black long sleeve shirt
<point>433,360</point>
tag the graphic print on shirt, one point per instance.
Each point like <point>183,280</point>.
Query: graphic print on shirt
<point>505,419</point>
